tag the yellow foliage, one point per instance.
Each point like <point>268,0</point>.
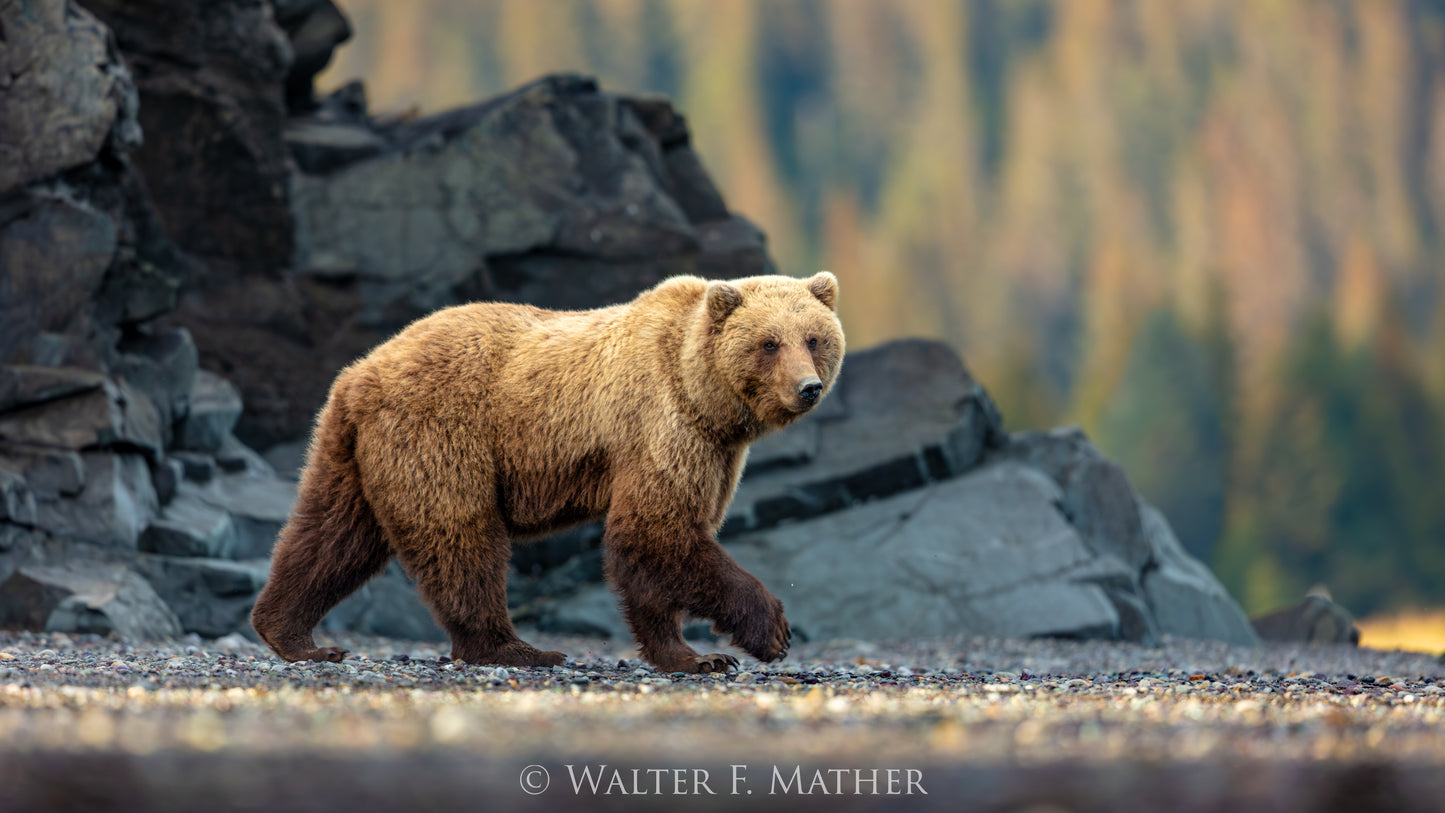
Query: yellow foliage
<point>1419,630</point>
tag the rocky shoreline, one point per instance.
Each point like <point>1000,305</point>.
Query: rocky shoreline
<point>1117,724</point>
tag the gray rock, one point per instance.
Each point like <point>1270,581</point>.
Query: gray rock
<point>190,526</point>
<point>235,456</point>
<point>388,606</point>
<point>17,547</point>
<point>259,504</point>
<point>315,28</point>
<point>1184,596</point>
<point>983,554</point>
<point>53,256</point>
<point>50,472</point>
<point>197,467</point>
<point>26,385</point>
<point>135,292</point>
<point>210,597</point>
<point>288,459</point>
<point>1315,620</point>
<point>163,366</point>
<point>215,406</point>
<point>66,91</point>
<point>546,167</point>
<point>166,476</point>
<point>210,75</point>
<point>17,501</point>
<point>591,610</point>
<point>320,147</point>
<point>115,416</point>
<point>115,505</point>
<point>85,598</point>
<point>1097,496</point>
<point>900,415</point>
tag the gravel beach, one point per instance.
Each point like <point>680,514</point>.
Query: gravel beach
<point>89,723</point>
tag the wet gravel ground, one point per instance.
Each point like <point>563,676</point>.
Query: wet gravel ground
<point>91,723</point>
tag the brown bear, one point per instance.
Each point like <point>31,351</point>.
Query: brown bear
<point>486,423</point>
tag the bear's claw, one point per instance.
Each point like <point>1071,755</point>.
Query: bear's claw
<point>322,654</point>
<point>716,662</point>
<point>767,639</point>
<point>713,662</point>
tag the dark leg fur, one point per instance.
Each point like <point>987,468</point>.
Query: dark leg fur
<point>663,575</point>
<point>330,547</point>
<point>337,540</point>
<point>464,579</point>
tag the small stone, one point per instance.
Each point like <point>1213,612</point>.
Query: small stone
<point>745,677</point>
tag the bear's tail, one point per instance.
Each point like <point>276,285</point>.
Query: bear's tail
<point>331,545</point>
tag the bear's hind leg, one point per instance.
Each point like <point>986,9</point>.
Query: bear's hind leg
<point>331,546</point>
<point>461,572</point>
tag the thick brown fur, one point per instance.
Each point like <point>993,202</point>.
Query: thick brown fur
<point>488,423</point>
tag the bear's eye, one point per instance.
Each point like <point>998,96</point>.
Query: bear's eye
<point>812,344</point>
<point>770,346</point>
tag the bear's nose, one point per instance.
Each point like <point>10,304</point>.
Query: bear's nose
<point>810,389</point>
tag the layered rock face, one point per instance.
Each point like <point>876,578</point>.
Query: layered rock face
<point>170,303</point>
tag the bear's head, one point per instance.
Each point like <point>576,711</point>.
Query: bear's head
<point>776,341</point>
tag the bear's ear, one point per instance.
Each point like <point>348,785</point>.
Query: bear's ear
<point>824,286</point>
<point>722,300</point>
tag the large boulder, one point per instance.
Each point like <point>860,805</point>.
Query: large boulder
<point>113,508</point>
<point>65,94</point>
<point>982,554</point>
<point>900,415</point>
<point>111,415</point>
<point>91,597</point>
<point>1184,596</point>
<point>388,606</point>
<point>1316,619</point>
<point>1097,496</point>
<point>210,597</point>
<point>210,76</point>
<point>214,407</point>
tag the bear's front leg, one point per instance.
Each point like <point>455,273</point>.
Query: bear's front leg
<point>752,615</point>
<point>663,572</point>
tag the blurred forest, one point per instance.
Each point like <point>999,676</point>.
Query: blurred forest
<point>1208,231</point>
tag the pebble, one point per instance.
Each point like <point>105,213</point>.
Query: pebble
<point>963,693</point>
